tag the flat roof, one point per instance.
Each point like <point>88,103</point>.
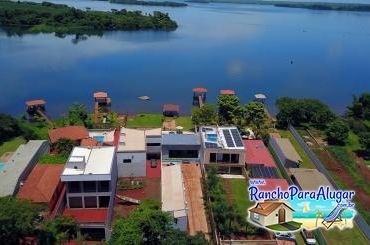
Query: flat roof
<point>310,179</point>
<point>200,90</point>
<point>288,149</point>
<point>173,194</point>
<point>41,184</point>
<point>85,161</point>
<point>21,159</point>
<point>88,215</point>
<point>181,139</point>
<point>221,137</point>
<point>257,153</point>
<point>153,132</point>
<point>100,94</point>
<point>131,140</point>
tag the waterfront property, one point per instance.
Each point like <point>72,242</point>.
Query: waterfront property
<point>43,185</point>
<point>180,147</point>
<point>286,152</point>
<point>171,110</point>
<point>223,147</point>
<point>131,153</point>
<point>173,195</point>
<point>271,213</point>
<point>20,165</point>
<point>90,176</point>
<point>76,133</point>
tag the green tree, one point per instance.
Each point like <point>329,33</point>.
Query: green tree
<point>177,237</point>
<point>58,230</point>
<point>206,115</point>
<point>227,104</point>
<point>337,132</point>
<point>64,146</point>
<point>360,107</point>
<point>18,219</point>
<point>77,114</point>
<point>365,141</point>
<point>9,128</point>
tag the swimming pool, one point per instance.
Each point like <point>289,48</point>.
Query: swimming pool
<point>2,166</point>
<point>99,138</point>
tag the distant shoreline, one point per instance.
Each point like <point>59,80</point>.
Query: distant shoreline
<point>358,7</point>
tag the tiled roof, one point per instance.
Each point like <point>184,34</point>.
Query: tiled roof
<point>257,153</point>
<point>100,95</point>
<point>87,215</point>
<point>227,92</point>
<point>200,90</point>
<point>89,142</point>
<point>171,107</point>
<point>70,132</point>
<point>41,183</point>
<point>35,102</point>
<point>266,208</point>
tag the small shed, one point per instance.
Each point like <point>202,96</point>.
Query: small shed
<point>271,213</point>
<point>171,110</point>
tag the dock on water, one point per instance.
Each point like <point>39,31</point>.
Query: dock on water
<point>102,105</point>
<point>199,96</point>
<point>38,107</point>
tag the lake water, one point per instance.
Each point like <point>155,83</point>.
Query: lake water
<point>247,48</point>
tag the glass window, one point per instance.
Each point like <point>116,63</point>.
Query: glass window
<point>90,202</point>
<point>219,157</point>
<point>89,186</point>
<point>126,160</point>
<point>75,202</point>
<point>226,158</point>
<point>103,186</point>
<point>212,157</point>
<point>104,201</point>
<point>234,158</point>
<point>74,187</point>
<point>256,216</point>
<point>153,144</point>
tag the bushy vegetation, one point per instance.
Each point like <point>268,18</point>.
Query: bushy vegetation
<point>150,3</point>
<point>49,17</point>
<point>206,115</point>
<point>337,132</point>
<point>53,159</point>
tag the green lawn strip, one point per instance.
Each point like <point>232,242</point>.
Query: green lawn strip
<point>240,194</point>
<point>11,145</point>
<point>346,236</point>
<point>185,122</point>
<point>277,227</point>
<point>39,130</point>
<point>144,120</point>
<point>307,163</point>
<point>53,159</point>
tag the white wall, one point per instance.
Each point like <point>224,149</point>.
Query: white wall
<point>137,166</point>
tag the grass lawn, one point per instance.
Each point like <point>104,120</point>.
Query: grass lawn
<point>145,121</point>
<point>277,227</point>
<point>185,122</point>
<point>11,145</point>
<point>346,236</point>
<point>53,159</point>
<point>353,142</point>
<point>240,194</point>
<point>307,163</point>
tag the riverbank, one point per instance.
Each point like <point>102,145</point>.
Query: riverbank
<point>27,17</point>
<point>150,3</point>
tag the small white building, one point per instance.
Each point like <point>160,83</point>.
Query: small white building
<point>173,195</point>
<point>131,153</point>
<point>271,213</point>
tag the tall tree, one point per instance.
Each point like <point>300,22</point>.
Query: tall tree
<point>77,114</point>
<point>227,104</point>
<point>65,146</point>
<point>18,219</point>
<point>9,127</point>
<point>58,230</point>
<point>365,141</point>
<point>206,115</point>
<point>337,132</point>
<point>256,114</point>
<point>360,107</point>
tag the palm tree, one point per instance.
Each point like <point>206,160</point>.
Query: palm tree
<point>319,214</point>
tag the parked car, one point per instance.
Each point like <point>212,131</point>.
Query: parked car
<point>153,163</point>
<point>308,237</point>
<point>285,236</point>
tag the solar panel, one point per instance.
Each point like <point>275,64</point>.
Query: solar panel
<point>237,138</point>
<point>228,138</point>
<point>259,171</point>
<point>211,145</point>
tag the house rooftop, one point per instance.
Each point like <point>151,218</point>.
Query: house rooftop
<point>288,149</point>
<point>173,193</point>
<point>154,132</point>
<point>309,179</point>
<point>260,96</point>
<point>100,95</point>
<point>171,107</point>
<point>35,102</point>
<point>85,162</point>
<point>131,140</point>
<point>41,183</point>
<point>266,208</point>
<point>25,155</point>
<point>70,132</point>
<point>180,139</point>
<point>257,153</point>
<point>227,92</point>
<point>221,137</point>
<point>200,90</point>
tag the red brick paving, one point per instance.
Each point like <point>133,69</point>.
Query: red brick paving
<point>153,172</point>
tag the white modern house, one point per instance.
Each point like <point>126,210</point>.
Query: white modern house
<point>173,195</point>
<point>131,153</point>
<point>90,177</point>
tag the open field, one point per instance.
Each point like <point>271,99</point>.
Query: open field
<point>144,120</point>
<point>11,145</point>
<point>185,122</point>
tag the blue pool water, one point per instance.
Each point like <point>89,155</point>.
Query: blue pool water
<point>99,138</point>
<point>2,166</point>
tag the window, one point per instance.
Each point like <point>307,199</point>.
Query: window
<point>226,158</point>
<point>89,186</point>
<point>104,201</point>
<point>219,157</point>
<point>90,202</point>
<point>256,216</point>
<point>212,158</point>
<point>234,158</point>
<point>75,202</point>
<point>183,154</point>
<point>103,186</point>
<point>74,187</point>
<point>126,160</point>
<point>153,144</point>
